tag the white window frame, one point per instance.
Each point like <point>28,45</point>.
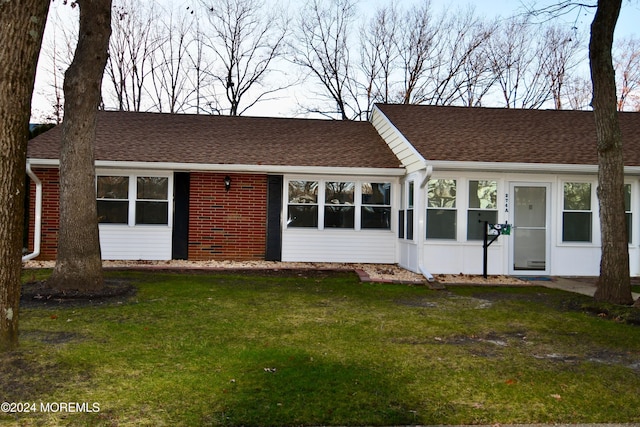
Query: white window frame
<point>468,208</point>
<point>321,202</point>
<point>133,199</point>
<point>455,209</point>
<point>631,212</point>
<point>357,197</point>
<point>376,206</point>
<point>562,210</point>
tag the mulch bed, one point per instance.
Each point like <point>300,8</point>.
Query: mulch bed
<point>38,294</point>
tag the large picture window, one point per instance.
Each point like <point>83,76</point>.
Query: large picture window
<point>483,199</point>
<point>147,197</point>
<point>339,204</point>
<point>577,215</point>
<point>441,209</point>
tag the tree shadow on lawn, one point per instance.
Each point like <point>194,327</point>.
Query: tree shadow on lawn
<point>25,379</point>
<point>281,387</point>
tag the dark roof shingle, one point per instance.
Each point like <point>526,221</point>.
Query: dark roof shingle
<point>508,135</point>
<point>204,139</point>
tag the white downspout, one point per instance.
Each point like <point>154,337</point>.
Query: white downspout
<point>38,219</point>
<point>423,269</point>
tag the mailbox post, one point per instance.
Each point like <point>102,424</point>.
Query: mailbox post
<point>495,231</point>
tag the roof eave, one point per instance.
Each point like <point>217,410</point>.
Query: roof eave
<point>445,165</point>
<point>206,167</point>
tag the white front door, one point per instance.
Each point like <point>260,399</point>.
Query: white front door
<point>530,233</point>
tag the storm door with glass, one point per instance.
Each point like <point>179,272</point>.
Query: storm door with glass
<point>530,218</point>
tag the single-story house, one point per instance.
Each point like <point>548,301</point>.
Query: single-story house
<point>414,187</point>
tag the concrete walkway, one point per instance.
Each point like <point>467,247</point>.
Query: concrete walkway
<point>544,425</point>
<point>573,285</point>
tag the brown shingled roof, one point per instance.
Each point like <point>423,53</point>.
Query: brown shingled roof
<point>183,138</point>
<point>508,135</point>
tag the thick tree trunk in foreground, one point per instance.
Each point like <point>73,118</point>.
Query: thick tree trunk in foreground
<point>21,28</point>
<point>614,282</point>
<point>79,263</point>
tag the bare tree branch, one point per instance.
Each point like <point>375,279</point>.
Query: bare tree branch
<point>246,39</point>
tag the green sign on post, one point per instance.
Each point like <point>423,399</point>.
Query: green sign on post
<point>500,229</point>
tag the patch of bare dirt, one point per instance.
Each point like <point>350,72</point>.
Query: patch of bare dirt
<point>37,294</point>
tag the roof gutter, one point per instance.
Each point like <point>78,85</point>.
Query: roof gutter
<point>207,167</point>
<point>445,165</point>
<point>38,218</point>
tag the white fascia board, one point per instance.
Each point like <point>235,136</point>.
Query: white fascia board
<point>206,167</point>
<point>48,163</point>
<point>418,161</point>
<point>444,165</point>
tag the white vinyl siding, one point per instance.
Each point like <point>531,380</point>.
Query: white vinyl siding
<point>373,199</point>
<point>150,242</point>
<point>338,245</point>
<point>134,241</point>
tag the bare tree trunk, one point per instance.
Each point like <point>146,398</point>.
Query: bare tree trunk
<point>21,28</point>
<point>614,282</point>
<point>79,263</point>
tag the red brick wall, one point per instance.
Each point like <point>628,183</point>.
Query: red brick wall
<point>222,225</point>
<point>50,212</point>
<point>227,225</point>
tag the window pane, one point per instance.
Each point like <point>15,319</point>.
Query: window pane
<point>410,224</point>
<point>627,197</point>
<point>113,212</point>
<point>303,192</point>
<point>153,188</point>
<point>577,196</point>
<point>338,216</point>
<point>483,194</point>
<point>152,213</point>
<point>339,193</point>
<point>627,208</point>
<point>441,224</point>
<point>376,193</point>
<point>576,227</point>
<point>401,224</point>
<point>442,193</point>
<point>475,222</point>
<point>530,206</point>
<point>376,217</point>
<point>410,194</point>
<point>113,187</point>
<point>302,216</point>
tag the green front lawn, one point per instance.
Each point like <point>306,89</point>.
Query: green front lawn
<point>322,349</point>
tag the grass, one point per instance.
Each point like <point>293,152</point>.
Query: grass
<point>323,349</point>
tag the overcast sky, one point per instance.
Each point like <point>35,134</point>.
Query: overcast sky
<point>627,26</point>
